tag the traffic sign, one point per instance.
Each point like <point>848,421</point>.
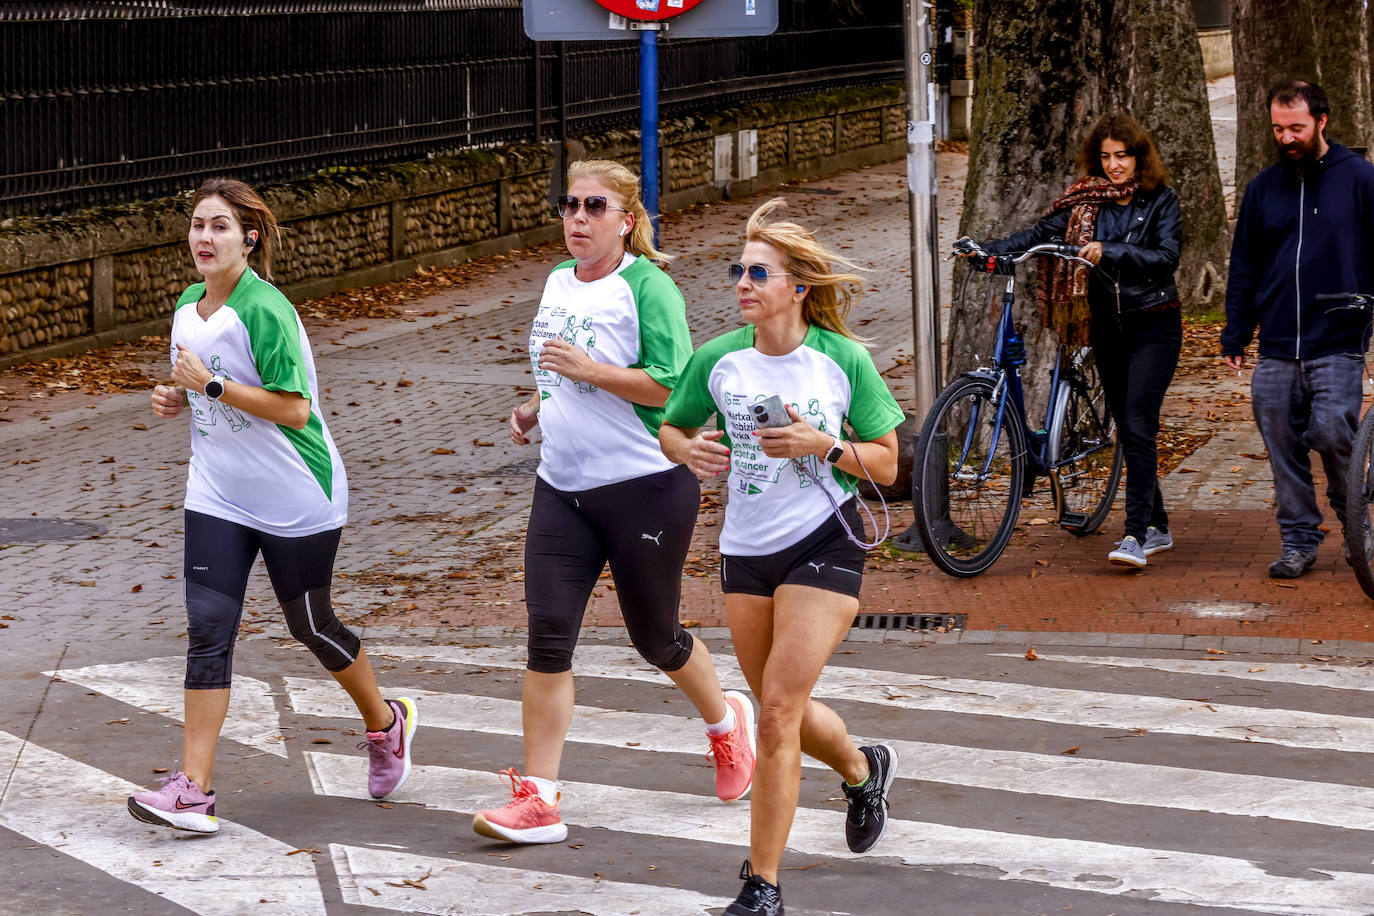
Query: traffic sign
<point>648,9</point>
<point>591,20</point>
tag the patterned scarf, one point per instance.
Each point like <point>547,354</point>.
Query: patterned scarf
<point>1063,297</point>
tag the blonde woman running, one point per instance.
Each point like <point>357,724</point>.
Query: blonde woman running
<point>790,565</point>
<point>608,343</point>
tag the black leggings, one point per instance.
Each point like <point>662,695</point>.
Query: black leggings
<point>219,556</point>
<point>643,527</point>
<point>1136,357</point>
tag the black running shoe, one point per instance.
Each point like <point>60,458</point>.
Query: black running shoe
<point>758,898</point>
<point>867,819</point>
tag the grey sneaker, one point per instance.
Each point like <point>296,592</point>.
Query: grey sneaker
<point>1157,541</point>
<point>1292,563</point>
<point>1128,553</point>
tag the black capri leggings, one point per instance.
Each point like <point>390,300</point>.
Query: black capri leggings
<point>219,557</point>
<point>642,527</point>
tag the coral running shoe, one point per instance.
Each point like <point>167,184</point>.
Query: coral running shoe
<point>179,804</point>
<point>733,752</point>
<point>389,751</point>
<point>526,818</point>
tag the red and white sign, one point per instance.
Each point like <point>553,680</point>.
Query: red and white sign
<point>649,10</point>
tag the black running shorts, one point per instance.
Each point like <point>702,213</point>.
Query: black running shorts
<point>825,559</point>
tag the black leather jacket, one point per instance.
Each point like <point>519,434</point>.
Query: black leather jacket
<point>1140,247</point>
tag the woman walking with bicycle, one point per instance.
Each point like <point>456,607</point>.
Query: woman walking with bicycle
<point>1123,218</point>
<point>791,564</point>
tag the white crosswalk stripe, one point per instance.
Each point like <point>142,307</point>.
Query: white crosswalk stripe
<point>1308,674</point>
<point>1350,807</point>
<point>1095,709</point>
<point>155,685</point>
<point>80,810</point>
<point>1160,874</point>
<point>369,877</point>
<point>252,865</point>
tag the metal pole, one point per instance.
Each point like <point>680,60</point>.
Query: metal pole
<point>648,119</point>
<point>920,155</point>
<point>925,301</point>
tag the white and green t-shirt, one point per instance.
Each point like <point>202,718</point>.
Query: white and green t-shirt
<point>244,469</point>
<point>633,318</point>
<point>830,380</point>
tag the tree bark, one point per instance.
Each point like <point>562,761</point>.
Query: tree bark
<point>1036,85</point>
<point>1040,86</point>
<point>1326,41</point>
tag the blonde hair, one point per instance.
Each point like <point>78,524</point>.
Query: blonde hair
<point>625,183</point>
<point>251,212</point>
<point>829,295</point>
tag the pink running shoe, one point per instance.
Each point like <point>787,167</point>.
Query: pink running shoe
<point>179,804</point>
<point>389,766</point>
<point>526,818</point>
<point>733,752</point>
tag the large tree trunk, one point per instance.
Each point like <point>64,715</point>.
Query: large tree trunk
<point>1037,85</point>
<point>1326,41</point>
<point>1039,88</point>
<point>1147,39</point>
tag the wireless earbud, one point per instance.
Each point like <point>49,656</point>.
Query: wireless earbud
<point>250,239</point>
<point>625,230</point>
<point>800,288</point>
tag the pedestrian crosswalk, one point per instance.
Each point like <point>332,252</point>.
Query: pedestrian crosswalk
<point>1204,779</point>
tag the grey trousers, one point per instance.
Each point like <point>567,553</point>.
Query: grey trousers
<point>1303,406</point>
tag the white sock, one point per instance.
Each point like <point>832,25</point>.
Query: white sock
<point>548,788</point>
<point>724,726</point>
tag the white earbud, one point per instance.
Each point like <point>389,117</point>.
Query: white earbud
<point>625,230</point>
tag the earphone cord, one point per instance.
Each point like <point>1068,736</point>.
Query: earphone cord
<point>849,532</point>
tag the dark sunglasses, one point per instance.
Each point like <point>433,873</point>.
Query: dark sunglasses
<point>758,273</point>
<point>596,205</point>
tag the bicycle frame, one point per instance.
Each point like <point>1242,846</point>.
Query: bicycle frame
<point>1005,372</point>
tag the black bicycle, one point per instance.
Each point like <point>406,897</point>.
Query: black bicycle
<point>977,446</point>
<point>1359,483</point>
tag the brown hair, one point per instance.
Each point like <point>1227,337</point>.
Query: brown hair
<point>829,295</point>
<point>625,183</point>
<point>251,212</point>
<point>1123,128</point>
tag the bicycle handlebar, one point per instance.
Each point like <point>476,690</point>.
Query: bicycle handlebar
<point>1346,300</point>
<point>1002,263</point>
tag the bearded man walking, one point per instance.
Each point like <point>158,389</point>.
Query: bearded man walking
<point>1305,228</point>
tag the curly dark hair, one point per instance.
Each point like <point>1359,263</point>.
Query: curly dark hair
<point>1123,128</point>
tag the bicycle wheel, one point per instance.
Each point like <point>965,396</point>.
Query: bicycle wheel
<point>1085,456</point>
<point>1359,495</point>
<point>967,489</point>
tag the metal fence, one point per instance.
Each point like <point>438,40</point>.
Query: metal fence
<point>116,101</point>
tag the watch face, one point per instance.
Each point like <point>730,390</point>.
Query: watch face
<point>214,389</point>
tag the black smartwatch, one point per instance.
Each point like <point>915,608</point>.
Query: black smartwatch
<point>836,451</point>
<point>214,389</point>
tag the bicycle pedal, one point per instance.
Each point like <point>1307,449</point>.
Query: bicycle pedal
<point>1073,520</point>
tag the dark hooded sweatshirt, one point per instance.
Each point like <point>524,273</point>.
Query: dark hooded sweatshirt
<point>1302,232</point>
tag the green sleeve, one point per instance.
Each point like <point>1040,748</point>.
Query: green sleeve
<point>665,343</point>
<point>873,411</point>
<point>276,342</point>
<point>691,403</point>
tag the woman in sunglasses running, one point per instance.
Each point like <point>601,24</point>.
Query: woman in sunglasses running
<point>607,345</point>
<point>791,565</point>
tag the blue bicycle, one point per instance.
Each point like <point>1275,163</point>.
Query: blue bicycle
<point>978,455</point>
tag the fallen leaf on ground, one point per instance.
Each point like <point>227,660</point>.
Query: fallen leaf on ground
<point>1030,654</point>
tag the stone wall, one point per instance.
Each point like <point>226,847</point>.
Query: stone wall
<point>93,278</point>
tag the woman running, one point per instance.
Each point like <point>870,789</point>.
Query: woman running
<point>608,343</point>
<point>264,477</point>
<point>790,563</point>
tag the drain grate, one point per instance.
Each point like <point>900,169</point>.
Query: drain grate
<point>44,530</point>
<point>910,621</point>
